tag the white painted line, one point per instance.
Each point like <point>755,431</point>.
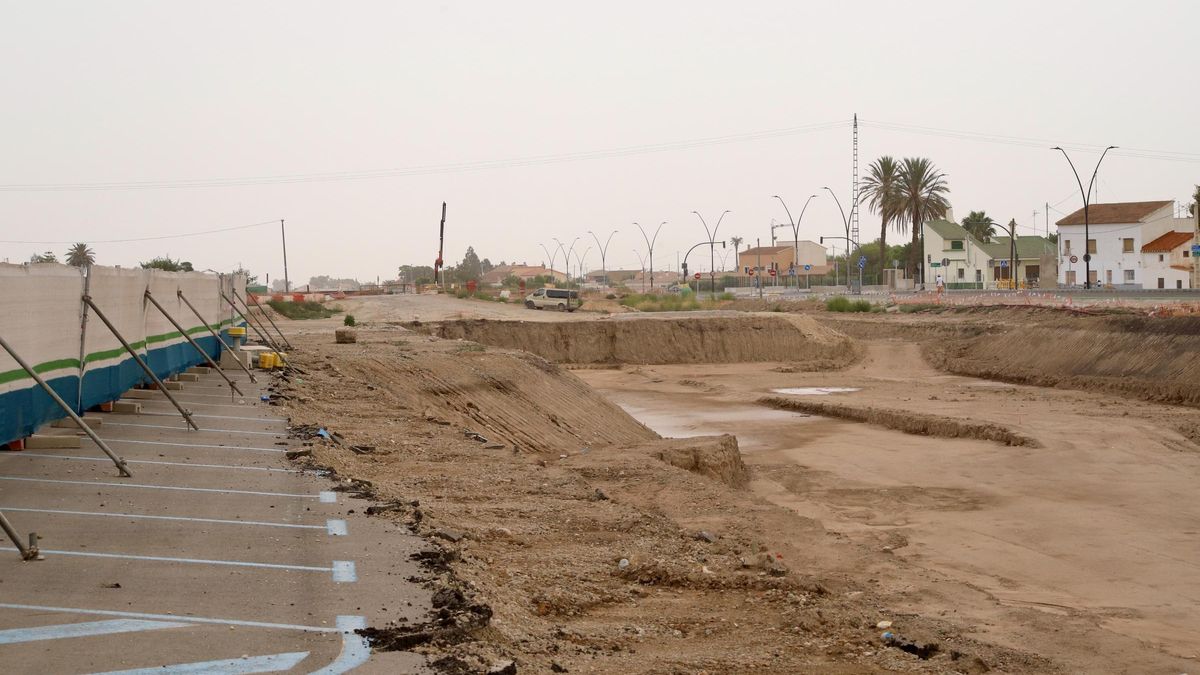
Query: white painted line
<point>272,663</point>
<point>192,445</point>
<point>328,526</point>
<point>328,497</point>
<point>343,571</point>
<point>336,528</point>
<point>171,617</point>
<point>355,648</point>
<point>87,629</point>
<point>241,406</point>
<point>180,428</point>
<point>182,395</point>
<point>274,420</point>
<point>163,487</point>
<point>38,455</point>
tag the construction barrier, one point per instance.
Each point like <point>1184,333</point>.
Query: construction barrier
<point>49,325</point>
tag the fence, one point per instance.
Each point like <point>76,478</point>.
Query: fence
<point>49,325</point>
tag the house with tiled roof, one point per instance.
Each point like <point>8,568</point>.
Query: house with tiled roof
<point>526,273</point>
<point>965,262</point>
<point>1131,245</point>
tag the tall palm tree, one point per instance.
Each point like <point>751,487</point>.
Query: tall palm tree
<point>737,244</point>
<point>80,255</point>
<point>980,225</point>
<point>922,197</point>
<point>881,187</point>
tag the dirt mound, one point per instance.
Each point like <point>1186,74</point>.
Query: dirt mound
<point>905,420</point>
<point>658,340</point>
<point>1155,359</point>
<point>717,457</point>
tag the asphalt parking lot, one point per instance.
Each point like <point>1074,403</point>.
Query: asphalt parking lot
<point>215,556</point>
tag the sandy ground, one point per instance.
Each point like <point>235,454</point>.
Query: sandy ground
<point>1096,525</point>
<point>1074,553</point>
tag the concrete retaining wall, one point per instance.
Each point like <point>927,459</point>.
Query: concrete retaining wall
<point>44,321</point>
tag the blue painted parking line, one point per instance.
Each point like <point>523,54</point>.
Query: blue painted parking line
<point>343,570</point>
<point>86,629</point>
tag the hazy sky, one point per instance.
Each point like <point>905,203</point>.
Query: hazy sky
<point>168,92</point>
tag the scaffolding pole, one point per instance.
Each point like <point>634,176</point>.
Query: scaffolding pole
<point>187,414</point>
<point>215,334</point>
<point>29,552</point>
<point>121,466</point>
<point>250,322</point>
<point>274,345</point>
<point>286,342</point>
<point>184,333</point>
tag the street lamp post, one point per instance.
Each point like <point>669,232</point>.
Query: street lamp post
<point>642,263</point>
<point>549,255</point>
<point>1012,252</point>
<point>795,225</point>
<point>1087,196</point>
<point>712,251</point>
<point>857,248</point>
<point>711,244</point>
<point>603,253</point>
<point>650,246</point>
<point>567,262</point>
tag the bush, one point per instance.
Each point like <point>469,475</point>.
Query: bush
<point>841,303</point>
<point>302,310</point>
<point>349,320</point>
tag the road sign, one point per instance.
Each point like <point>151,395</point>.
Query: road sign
<point>862,261</point>
<point>945,262</point>
<point>1074,258</point>
<point>771,271</point>
<point>807,268</point>
<point>1195,249</point>
<point>895,264</point>
<point>697,275</point>
<point>1004,263</point>
<point>935,264</point>
<point>791,271</point>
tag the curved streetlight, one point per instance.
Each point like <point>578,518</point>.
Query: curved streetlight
<point>712,249</point>
<point>603,253</point>
<point>567,263</point>
<point>795,225</point>
<point>642,263</point>
<point>580,259</point>
<point>846,222</point>
<point>650,246</point>
<point>1087,196</point>
<point>550,256</point>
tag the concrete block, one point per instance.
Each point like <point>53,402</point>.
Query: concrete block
<point>187,377</point>
<point>126,407</point>
<point>49,441</point>
<point>142,394</point>
<point>229,360</point>
<point>68,423</point>
<point>199,370</point>
<point>173,386</point>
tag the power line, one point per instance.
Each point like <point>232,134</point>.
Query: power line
<point>164,236</point>
<point>480,165</point>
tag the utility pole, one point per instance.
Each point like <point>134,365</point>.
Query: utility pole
<point>758,269</point>
<point>283,233</point>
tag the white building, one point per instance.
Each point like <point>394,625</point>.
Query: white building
<point>965,262</point>
<point>1132,245</point>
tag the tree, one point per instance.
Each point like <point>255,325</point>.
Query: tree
<point>166,264</point>
<point>80,255</point>
<point>882,188</point>
<point>470,268</point>
<point>921,198</point>
<point>980,225</point>
<point>47,257</point>
<point>1195,201</point>
<point>486,265</point>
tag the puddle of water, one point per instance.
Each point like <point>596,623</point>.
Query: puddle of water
<point>815,391</point>
<point>675,421</point>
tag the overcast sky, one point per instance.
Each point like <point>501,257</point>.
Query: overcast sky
<point>169,92</point>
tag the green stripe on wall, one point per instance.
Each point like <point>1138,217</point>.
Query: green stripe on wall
<point>57,364</point>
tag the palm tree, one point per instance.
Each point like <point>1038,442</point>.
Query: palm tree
<point>881,188</point>
<point>922,197</point>
<point>737,243</point>
<point>980,225</point>
<point>80,255</point>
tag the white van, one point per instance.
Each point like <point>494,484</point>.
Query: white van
<point>559,298</point>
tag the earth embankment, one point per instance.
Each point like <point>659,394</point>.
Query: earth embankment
<point>659,340</point>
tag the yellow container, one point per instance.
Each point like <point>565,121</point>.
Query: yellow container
<point>237,331</point>
<point>266,360</point>
<point>280,359</point>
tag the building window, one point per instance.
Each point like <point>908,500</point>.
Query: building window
<point>1185,253</point>
<point>1067,246</point>
<point>1129,276</point>
<point>1162,282</point>
<point>956,245</point>
<point>962,273</point>
<point>1179,283</point>
<point>1071,278</point>
<point>1092,246</point>
<point>1127,245</point>
<point>1160,257</point>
